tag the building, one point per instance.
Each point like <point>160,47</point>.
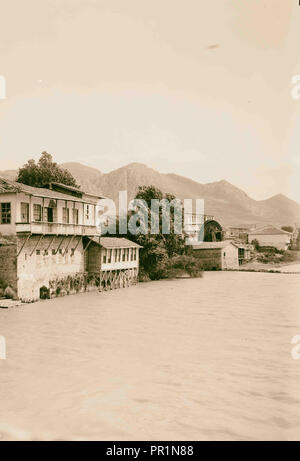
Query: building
<point>114,260</point>
<point>271,236</point>
<point>202,227</point>
<point>245,252</point>
<point>217,255</point>
<point>238,233</point>
<point>45,238</point>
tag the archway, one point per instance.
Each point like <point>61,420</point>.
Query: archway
<point>213,231</point>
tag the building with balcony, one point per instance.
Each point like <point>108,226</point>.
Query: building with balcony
<point>202,227</point>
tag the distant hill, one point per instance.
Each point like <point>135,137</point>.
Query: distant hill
<point>87,177</point>
<point>9,174</point>
<point>229,204</point>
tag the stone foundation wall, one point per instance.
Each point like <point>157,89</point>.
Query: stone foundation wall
<point>45,260</point>
<point>8,266</point>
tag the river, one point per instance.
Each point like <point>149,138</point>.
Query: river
<point>190,359</point>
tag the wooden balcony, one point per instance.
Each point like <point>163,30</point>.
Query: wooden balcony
<point>51,228</point>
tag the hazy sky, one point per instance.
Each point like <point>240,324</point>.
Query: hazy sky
<point>201,88</point>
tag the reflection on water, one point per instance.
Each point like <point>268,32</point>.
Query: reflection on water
<point>193,359</point>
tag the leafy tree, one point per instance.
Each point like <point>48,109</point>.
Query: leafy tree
<point>163,255</point>
<point>43,172</point>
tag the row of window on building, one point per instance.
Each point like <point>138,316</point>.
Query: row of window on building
<point>119,255</point>
<point>54,252</point>
<point>46,214</point>
<point>109,256</point>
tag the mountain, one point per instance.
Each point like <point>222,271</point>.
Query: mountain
<point>229,204</point>
<point>86,176</point>
<point>9,174</point>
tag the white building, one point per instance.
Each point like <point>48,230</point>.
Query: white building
<point>271,236</point>
<point>46,243</point>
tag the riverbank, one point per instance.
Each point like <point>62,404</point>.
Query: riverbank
<point>255,266</point>
<point>190,359</point>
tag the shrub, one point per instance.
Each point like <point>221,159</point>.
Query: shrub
<point>180,265</point>
<point>44,292</point>
<point>9,293</point>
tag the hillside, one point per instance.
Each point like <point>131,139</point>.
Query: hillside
<point>229,204</point>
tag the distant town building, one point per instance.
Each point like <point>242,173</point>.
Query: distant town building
<point>202,227</point>
<point>245,252</point>
<point>271,236</point>
<point>217,255</point>
<point>238,233</point>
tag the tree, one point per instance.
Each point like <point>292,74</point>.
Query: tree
<point>162,255</point>
<point>255,243</point>
<point>44,172</point>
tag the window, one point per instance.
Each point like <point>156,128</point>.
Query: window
<point>75,216</point>
<point>37,212</point>
<point>109,257</point>
<point>53,251</point>
<point>87,212</point>
<point>123,255</point>
<point>25,212</point>
<point>49,214</point>
<point>104,257</point>
<point>65,215</point>
<point>134,254</point>
<point>5,213</point>
<point>38,252</point>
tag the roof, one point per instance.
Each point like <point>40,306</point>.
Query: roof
<point>246,246</point>
<point>243,227</point>
<point>213,245</point>
<point>60,184</point>
<point>115,242</point>
<point>7,186</point>
<point>269,230</point>
<point>4,241</point>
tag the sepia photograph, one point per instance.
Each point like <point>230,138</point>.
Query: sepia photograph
<point>149,223</point>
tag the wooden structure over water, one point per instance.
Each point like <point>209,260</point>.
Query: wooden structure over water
<point>114,260</point>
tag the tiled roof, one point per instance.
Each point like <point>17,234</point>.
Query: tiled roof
<point>115,242</point>
<point>7,186</point>
<point>212,245</point>
<point>268,230</point>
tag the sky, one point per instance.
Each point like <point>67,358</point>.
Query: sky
<point>201,88</point>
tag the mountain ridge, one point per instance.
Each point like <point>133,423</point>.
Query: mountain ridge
<point>229,204</point>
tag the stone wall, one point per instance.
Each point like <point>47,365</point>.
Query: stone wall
<point>8,266</point>
<point>47,259</point>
